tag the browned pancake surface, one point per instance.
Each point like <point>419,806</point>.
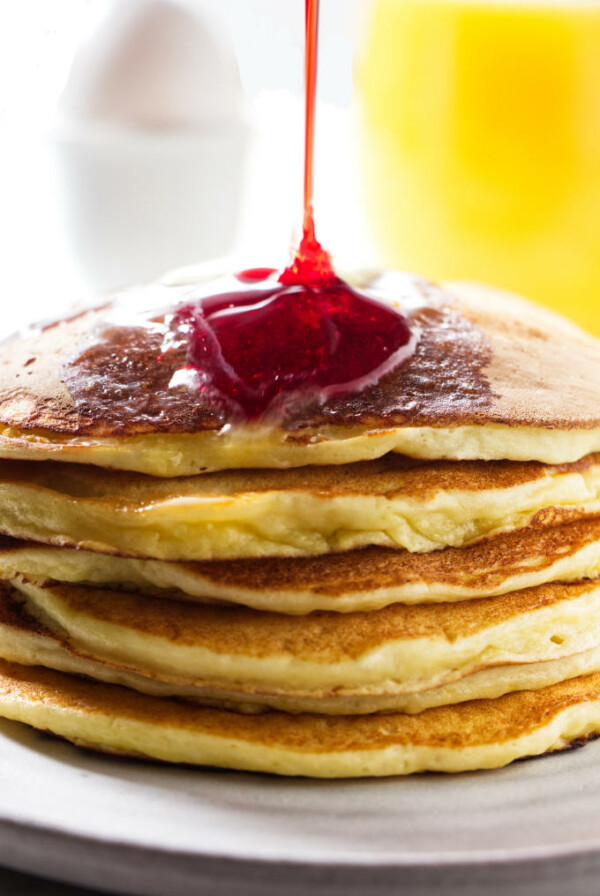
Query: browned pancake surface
<point>481,567</point>
<point>389,476</point>
<point>322,637</point>
<point>479,361</point>
<point>469,724</point>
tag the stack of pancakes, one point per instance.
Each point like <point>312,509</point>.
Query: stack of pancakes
<point>397,580</point>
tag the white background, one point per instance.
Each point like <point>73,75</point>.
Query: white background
<point>38,273</point>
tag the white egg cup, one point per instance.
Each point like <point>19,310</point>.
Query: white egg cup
<point>138,202</point>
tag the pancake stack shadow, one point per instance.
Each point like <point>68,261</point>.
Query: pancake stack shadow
<point>371,617</point>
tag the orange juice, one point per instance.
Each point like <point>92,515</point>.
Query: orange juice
<point>480,126</point>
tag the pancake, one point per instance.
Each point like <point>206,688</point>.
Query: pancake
<point>26,641</point>
<point>365,579</point>
<point>234,653</point>
<point>394,502</point>
<point>493,377</point>
<point>476,735</point>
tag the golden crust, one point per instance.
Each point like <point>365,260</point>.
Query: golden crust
<point>361,661</point>
<point>396,502</point>
<point>390,476</point>
<point>28,642</point>
<point>458,727</point>
<point>480,568</point>
<point>319,637</point>
<point>364,579</point>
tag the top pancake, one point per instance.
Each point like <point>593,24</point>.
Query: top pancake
<point>493,377</point>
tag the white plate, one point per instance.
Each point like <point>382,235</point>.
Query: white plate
<point>143,828</point>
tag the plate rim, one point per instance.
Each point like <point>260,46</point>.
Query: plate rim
<point>335,860</point>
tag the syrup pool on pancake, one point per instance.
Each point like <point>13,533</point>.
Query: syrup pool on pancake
<point>261,346</point>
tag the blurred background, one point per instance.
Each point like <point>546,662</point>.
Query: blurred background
<point>457,138</point>
<point>141,135</point>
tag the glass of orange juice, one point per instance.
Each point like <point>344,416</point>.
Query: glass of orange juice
<point>480,133</point>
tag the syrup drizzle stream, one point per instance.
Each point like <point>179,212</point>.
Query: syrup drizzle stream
<point>300,335</point>
<point>310,82</point>
<point>311,265</point>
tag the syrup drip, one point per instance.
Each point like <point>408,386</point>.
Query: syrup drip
<point>304,333</point>
<point>311,265</point>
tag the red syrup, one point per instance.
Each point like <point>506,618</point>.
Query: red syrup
<point>300,334</point>
<point>262,348</point>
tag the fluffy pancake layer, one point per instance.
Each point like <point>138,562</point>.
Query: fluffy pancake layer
<point>475,735</point>
<point>239,655</point>
<point>366,579</point>
<point>395,502</point>
<point>28,642</point>
<point>468,392</point>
